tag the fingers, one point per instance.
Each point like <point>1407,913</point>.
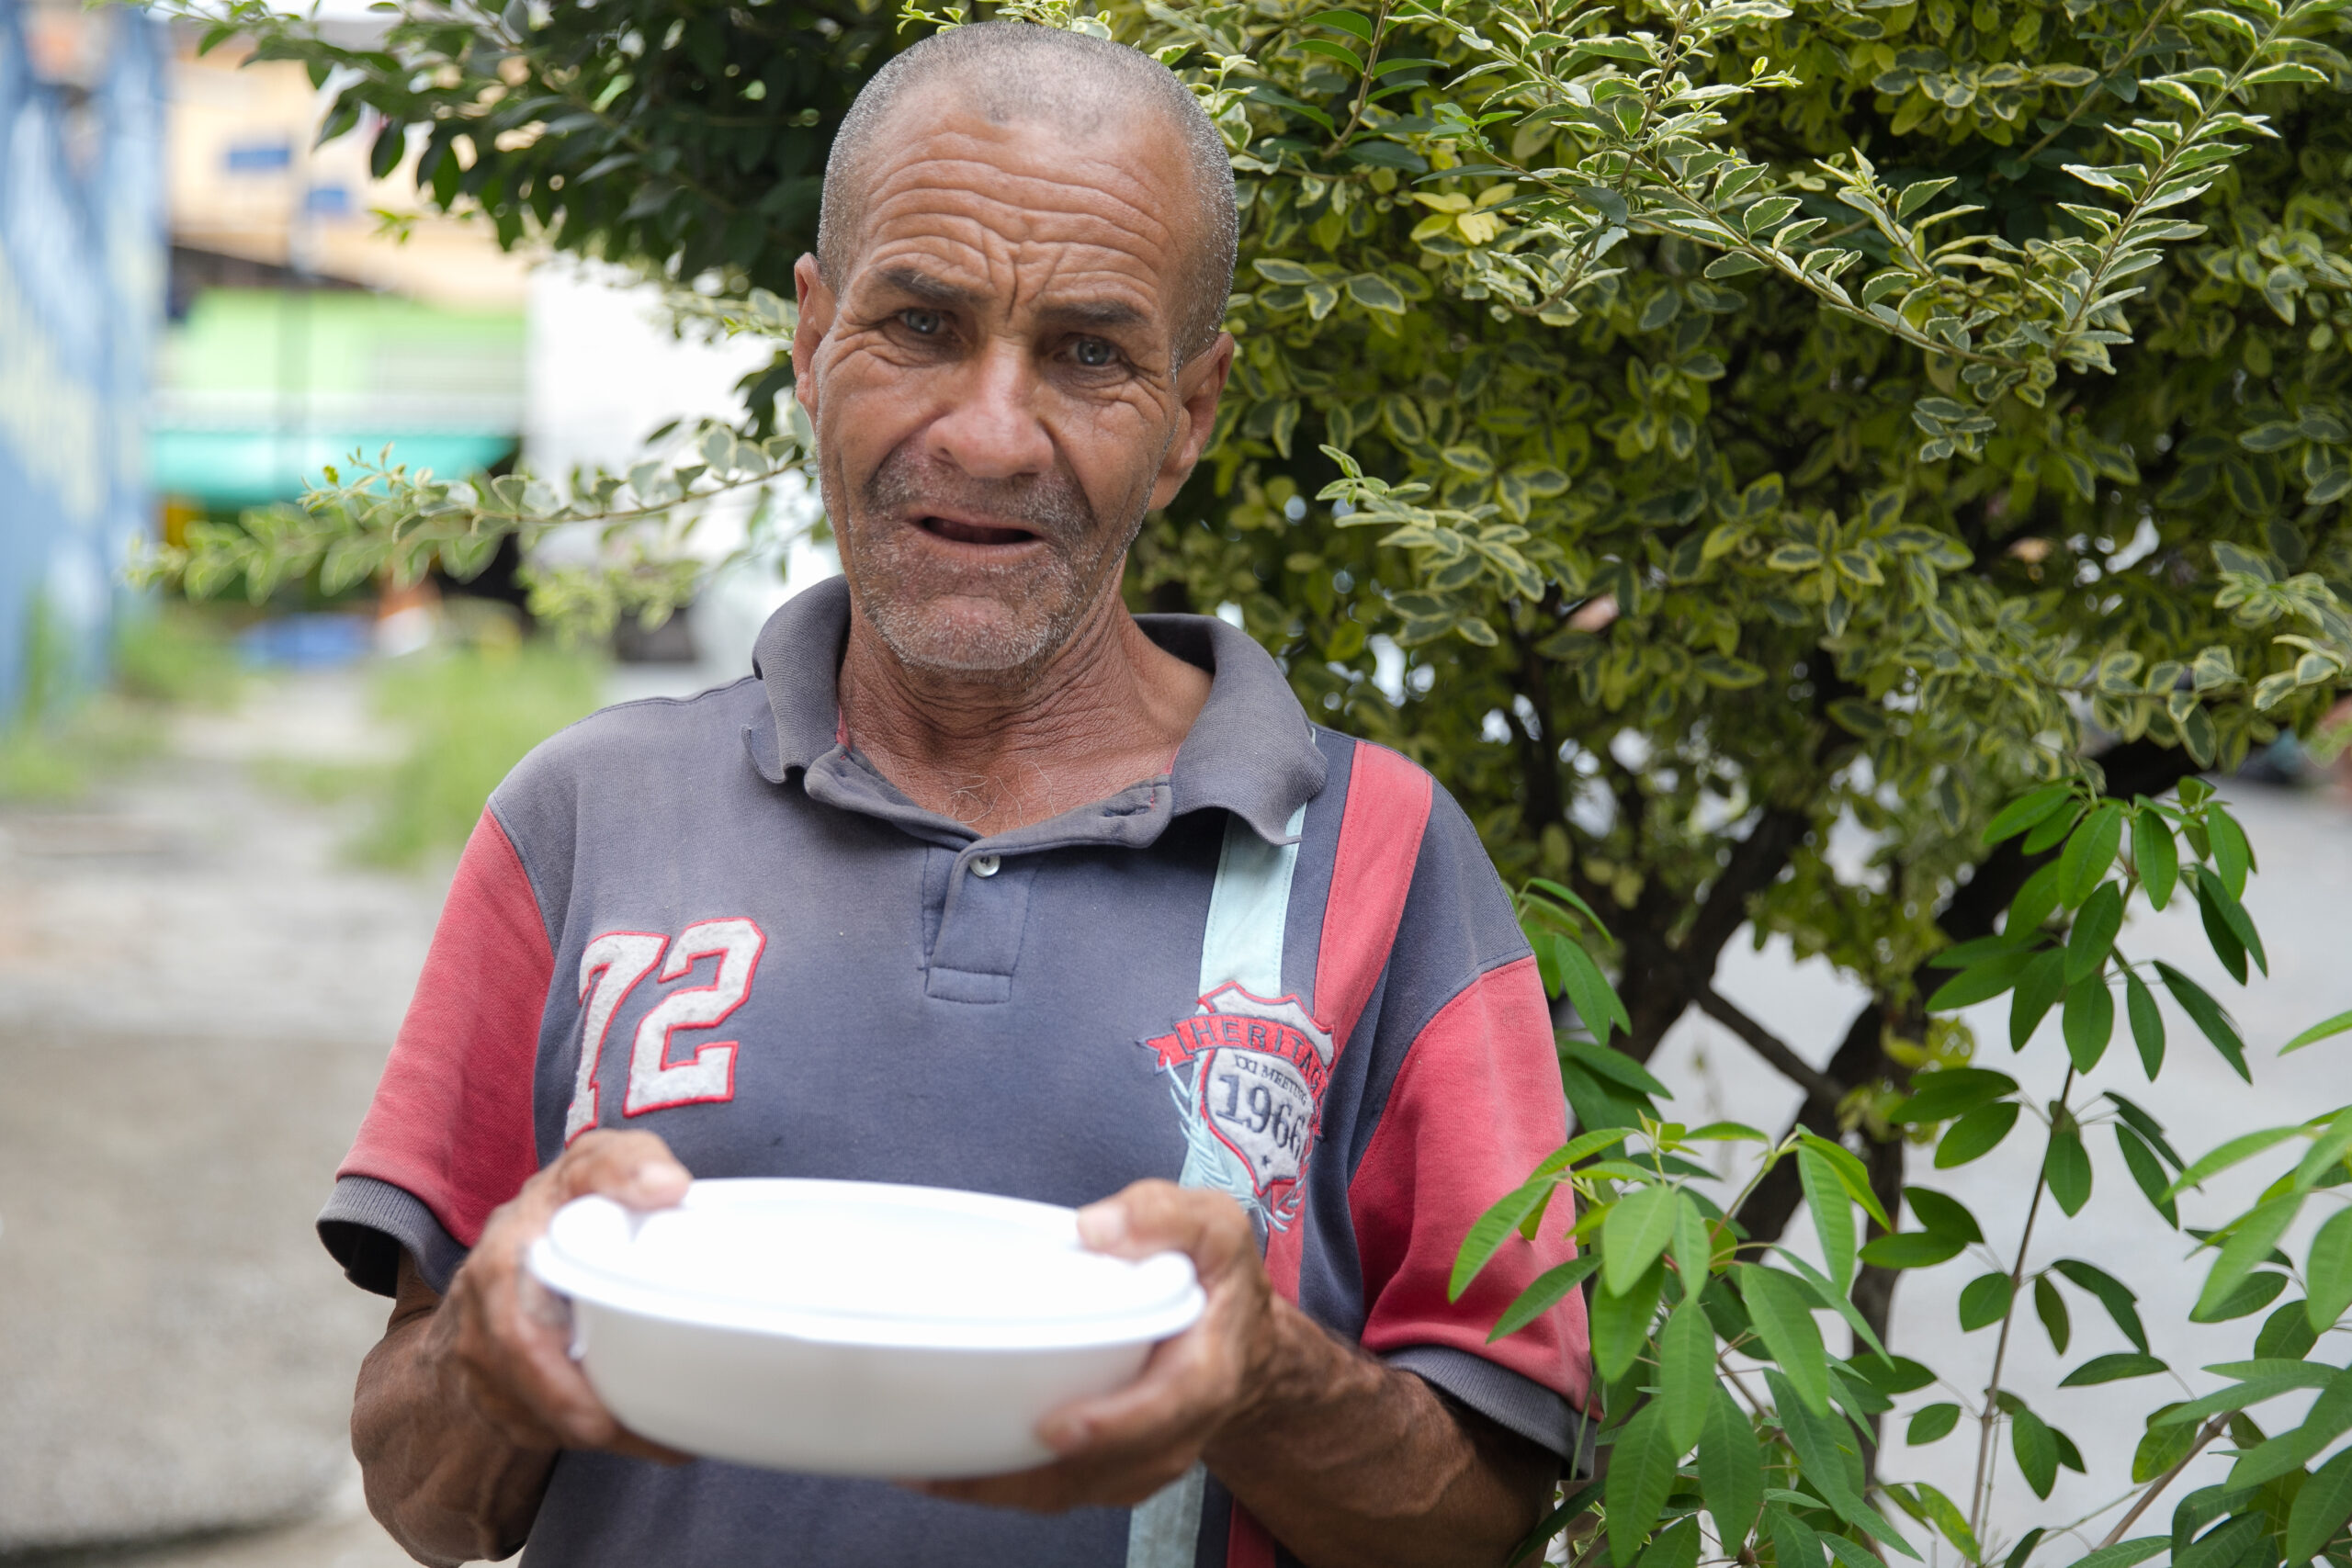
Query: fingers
<point>635,1168</point>
<point>1186,1388</point>
<point>1119,1447</point>
<point>1159,1216</point>
<point>511,1337</point>
<point>513,1354</point>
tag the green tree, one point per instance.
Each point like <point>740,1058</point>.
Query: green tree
<point>1721,1396</point>
<point>1684,427</point>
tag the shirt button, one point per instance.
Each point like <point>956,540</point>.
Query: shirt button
<point>986,865</point>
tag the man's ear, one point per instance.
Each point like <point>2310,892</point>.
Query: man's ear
<point>816,320</point>
<point>1199,385</point>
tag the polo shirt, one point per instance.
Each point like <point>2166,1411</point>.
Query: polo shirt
<point>1284,969</point>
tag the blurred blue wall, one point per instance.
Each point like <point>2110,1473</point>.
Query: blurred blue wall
<point>81,274</point>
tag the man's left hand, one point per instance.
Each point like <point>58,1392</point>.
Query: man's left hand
<point>1119,1448</point>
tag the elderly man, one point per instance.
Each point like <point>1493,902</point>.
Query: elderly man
<point>982,882</point>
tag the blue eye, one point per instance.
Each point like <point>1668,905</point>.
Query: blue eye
<point>1093,353</point>
<point>922,323</point>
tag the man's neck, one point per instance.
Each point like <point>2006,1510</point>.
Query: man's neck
<point>1109,708</point>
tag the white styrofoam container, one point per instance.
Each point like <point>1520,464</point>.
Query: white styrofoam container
<point>850,1327</point>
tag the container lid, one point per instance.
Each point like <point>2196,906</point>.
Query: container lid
<point>866,1263</point>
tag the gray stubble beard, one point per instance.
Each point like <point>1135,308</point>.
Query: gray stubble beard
<point>1009,656</point>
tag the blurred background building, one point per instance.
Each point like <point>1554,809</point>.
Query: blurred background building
<point>314,310</point>
<point>81,291</point>
<point>201,308</point>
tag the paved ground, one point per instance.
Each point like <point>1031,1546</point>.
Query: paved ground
<point>335,1533</point>
<point>196,994</point>
<point>195,1000</point>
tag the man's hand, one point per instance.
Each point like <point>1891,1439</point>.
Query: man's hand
<point>462,1406</point>
<point>1121,1448</point>
<point>1345,1460</point>
<point>509,1339</point>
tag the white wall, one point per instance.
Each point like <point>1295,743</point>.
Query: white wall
<point>603,371</point>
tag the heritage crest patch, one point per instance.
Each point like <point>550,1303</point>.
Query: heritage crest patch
<point>1253,1099</point>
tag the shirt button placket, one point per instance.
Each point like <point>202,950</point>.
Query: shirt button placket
<point>978,943</point>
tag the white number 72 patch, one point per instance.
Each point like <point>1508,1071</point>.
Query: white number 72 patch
<point>610,968</point>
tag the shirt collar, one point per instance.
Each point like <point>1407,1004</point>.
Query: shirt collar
<point>1251,750</point>
<point>798,660</point>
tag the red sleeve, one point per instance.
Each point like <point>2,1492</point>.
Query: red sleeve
<point>1475,1106</point>
<point>451,1121</point>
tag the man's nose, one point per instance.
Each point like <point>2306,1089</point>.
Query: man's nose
<point>992,430</point>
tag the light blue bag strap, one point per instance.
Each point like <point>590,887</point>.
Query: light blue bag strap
<point>1242,943</point>
<point>1249,909</point>
<point>1164,1529</point>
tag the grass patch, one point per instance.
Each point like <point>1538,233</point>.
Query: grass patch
<point>471,712</point>
<point>38,767</point>
<point>61,741</point>
<point>177,656</point>
<point>56,762</point>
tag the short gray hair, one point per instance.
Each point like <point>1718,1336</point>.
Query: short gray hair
<point>1019,71</point>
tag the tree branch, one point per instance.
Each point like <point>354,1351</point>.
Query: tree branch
<point>1767,1045</point>
<point>1777,1198</point>
<point>1980,1499</point>
<point>1544,801</point>
<point>1758,859</point>
<point>1875,1286</point>
<point>1363,88</point>
<point>2092,94</point>
<point>2210,1430</point>
<point>2134,767</point>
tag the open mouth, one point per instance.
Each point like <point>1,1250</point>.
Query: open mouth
<point>965,533</point>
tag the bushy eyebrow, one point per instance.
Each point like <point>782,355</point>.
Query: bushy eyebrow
<point>1105,313</point>
<point>929,289</point>
<point>1098,314</point>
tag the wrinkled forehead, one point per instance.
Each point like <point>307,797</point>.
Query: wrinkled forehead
<point>1020,209</point>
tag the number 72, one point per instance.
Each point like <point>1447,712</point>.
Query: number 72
<point>610,968</point>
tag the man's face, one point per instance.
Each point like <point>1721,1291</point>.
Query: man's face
<point>995,387</point>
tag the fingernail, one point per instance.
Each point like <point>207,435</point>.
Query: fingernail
<point>1102,1225</point>
<point>1060,1433</point>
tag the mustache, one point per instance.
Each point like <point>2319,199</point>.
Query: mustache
<point>1050,505</point>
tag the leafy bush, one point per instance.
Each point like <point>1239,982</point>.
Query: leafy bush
<point>62,739</point>
<point>469,715</point>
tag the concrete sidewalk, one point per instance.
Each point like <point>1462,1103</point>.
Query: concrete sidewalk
<point>196,997</point>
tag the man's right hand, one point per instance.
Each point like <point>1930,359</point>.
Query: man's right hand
<point>463,1404</point>
<point>509,1339</point>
